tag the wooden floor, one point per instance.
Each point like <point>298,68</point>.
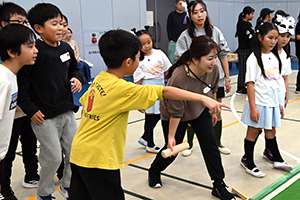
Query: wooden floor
<point>187,177</point>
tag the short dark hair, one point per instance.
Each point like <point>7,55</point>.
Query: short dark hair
<point>11,39</point>
<point>176,1</point>
<point>70,30</point>
<point>41,13</point>
<point>117,45</point>
<point>65,17</point>
<point>8,9</point>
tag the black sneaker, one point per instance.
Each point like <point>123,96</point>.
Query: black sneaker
<point>242,91</point>
<point>154,179</point>
<point>268,155</point>
<point>8,194</point>
<point>220,191</point>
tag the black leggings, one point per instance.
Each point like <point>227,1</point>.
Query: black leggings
<point>204,130</point>
<point>298,75</point>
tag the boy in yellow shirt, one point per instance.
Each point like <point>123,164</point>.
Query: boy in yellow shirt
<point>97,152</point>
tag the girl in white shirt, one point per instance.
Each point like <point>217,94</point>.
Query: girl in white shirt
<point>264,103</point>
<point>151,70</point>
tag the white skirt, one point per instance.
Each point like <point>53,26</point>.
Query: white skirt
<point>268,116</point>
<point>155,108</point>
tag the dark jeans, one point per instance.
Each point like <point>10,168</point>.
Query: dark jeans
<point>204,130</point>
<point>298,75</point>
<point>243,55</point>
<point>95,184</point>
<point>22,129</point>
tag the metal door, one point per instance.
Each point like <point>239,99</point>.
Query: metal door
<point>161,10</point>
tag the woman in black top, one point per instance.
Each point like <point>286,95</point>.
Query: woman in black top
<point>244,32</point>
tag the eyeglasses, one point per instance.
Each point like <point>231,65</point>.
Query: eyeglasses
<point>18,21</point>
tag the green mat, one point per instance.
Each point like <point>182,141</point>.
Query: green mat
<point>293,192</point>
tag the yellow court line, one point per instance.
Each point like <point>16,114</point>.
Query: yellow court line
<point>292,101</point>
<point>140,158</point>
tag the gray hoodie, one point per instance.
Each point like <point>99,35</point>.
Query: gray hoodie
<point>184,41</point>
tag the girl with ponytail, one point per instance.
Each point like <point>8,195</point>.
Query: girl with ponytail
<point>264,104</point>
<point>152,68</point>
<point>244,33</point>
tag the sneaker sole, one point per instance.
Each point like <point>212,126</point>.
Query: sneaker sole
<point>141,143</point>
<point>28,185</point>
<point>284,168</point>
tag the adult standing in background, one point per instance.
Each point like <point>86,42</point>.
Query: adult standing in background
<point>265,16</point>
<point>177,22</point>
<point>244,33</point>
<point>297,41</point>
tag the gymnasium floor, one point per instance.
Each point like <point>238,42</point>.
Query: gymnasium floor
<point>187,177</point>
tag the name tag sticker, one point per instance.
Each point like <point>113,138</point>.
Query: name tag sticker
<point>206,90</point>
<point>65,57</point>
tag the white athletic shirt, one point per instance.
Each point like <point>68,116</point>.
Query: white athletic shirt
<point>8,103</point>
<point>153,66</point>
<point>268,91</point>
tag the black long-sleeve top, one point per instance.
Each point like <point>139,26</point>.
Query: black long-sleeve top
<point>176,23</point>
<point>297,42</point>
<point>45,86</point>
<point>245,32</point>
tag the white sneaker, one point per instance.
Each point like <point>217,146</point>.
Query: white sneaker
<point>224,150</point>
<point>143,142</point>
<point>283,166</point>
<point>154,149</point>
<point>30,184</point>
<point>187,152</point>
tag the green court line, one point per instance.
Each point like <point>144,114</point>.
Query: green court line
<point>136,195</point>
<point>175,177</point>
<point>276,184</point>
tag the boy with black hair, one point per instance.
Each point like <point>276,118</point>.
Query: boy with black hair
<point>46,98</point>
<point>16,50</point>
<point>11,13</point>
<point>97,153</point>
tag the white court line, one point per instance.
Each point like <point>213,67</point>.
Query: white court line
<point>282,187</point>
<point>260,137</point>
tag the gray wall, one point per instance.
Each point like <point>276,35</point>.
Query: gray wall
<point>98,16</point>
<point>224,14</point>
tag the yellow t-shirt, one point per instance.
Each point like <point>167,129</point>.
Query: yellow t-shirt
<point>101,135</point>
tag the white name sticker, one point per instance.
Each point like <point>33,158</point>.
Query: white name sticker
<point>206,90</point>
<point>65,57</point>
